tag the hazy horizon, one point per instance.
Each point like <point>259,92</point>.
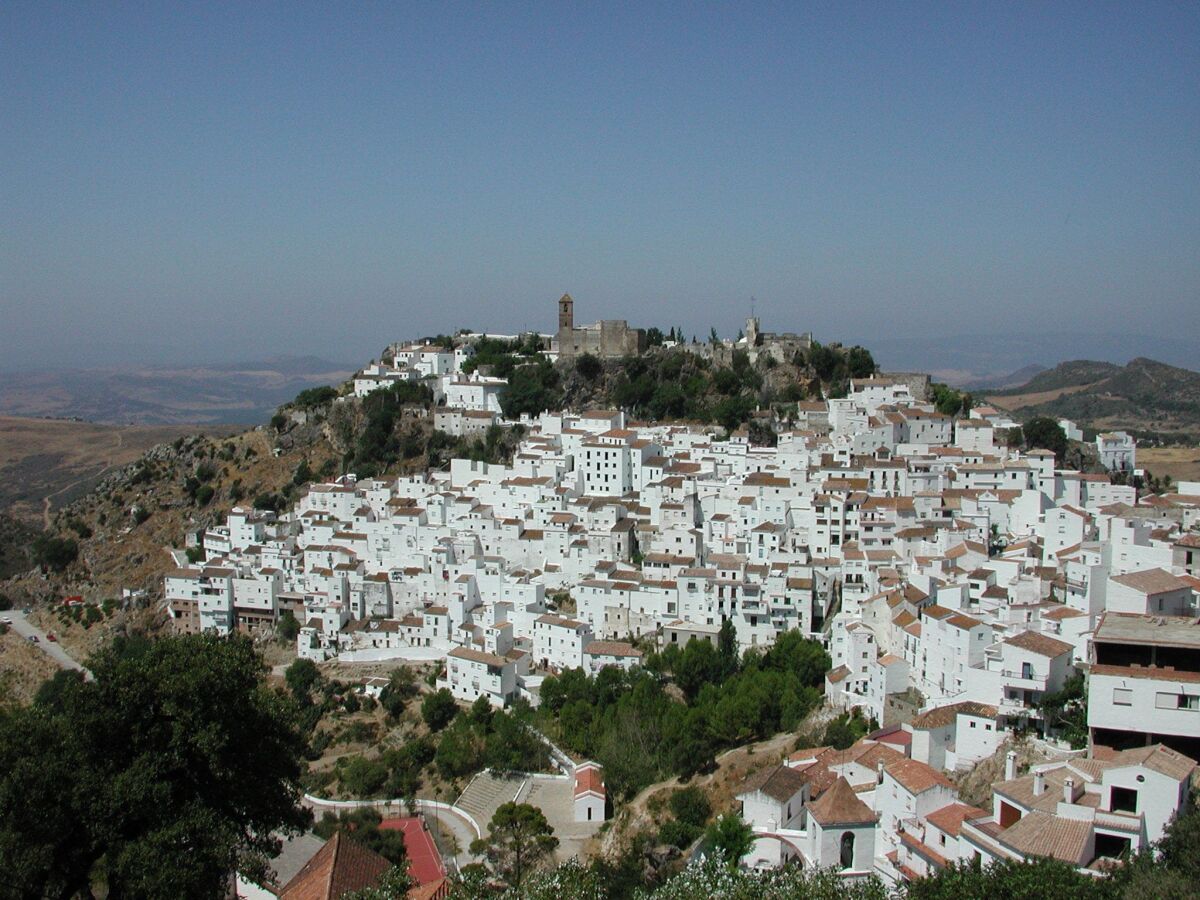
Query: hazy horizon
<point>234,183</point>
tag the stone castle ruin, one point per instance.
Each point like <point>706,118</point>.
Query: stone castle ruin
<point>607,339</point>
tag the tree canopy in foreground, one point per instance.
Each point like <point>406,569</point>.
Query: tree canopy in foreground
<point>162,776</point>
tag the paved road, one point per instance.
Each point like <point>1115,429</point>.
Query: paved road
<point>464,834</point>
<point>53,649</point>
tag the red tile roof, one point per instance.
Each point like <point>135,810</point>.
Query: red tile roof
<point>840,806</point>
<point>950,818</point>
<point>341,866</point>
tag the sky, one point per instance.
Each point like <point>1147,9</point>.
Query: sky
<point>224,181</point>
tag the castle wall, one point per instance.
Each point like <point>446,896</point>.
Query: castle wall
<point>608,339</point>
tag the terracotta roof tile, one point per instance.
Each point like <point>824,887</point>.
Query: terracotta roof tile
<point>840,806</point>
<point>341,866</point>
<point>950,818</point>
<point>915,776</point>
<point>1041,644</point>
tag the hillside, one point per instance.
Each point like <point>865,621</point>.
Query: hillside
<point>1077,373</point>
<point>122,527</point>
<point>46,463</point>
<point>1144,396</point>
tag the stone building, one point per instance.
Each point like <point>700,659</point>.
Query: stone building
<point>755,343</point>
<point>781,347</point>
<point>607,339</point>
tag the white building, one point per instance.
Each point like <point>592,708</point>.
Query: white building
<point>471,674</point>
<point>1117,451</point>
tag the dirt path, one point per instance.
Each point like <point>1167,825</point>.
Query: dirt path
<point>109,464</point>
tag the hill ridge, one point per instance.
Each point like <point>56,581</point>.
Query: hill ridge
<point>1146,396</point>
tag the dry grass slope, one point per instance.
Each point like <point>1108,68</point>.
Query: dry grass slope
<point>58,461</point>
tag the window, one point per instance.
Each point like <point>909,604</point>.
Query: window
<point>1124,800</point>
<point>1188,701</point>
<point>1122,697</point>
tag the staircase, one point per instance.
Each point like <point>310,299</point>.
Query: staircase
<point>485,794</point>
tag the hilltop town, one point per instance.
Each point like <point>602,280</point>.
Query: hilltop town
<point>980,604</point>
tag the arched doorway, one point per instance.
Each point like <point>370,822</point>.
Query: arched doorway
<point>847,850</point>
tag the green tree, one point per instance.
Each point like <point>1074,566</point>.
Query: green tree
<point>727,648</point>
<point>301,677</point>
<point>800,656</point>
<point>1065,711</point>
<point>401,687</point>
<point>360,777</point>
<point>588,366</point>
<point>1042,432</point>
<point>288,628</point>
<point>699,664</point>
<point>438,709</point>
<point>1180,845</point>
<point>394,885</point>
<point>362,825</point>
<point>175,744</point>
<point>460,750</point>
<point>54,553</point>
<point>512,747</point>
<point>848,728</point>
<point>314,397</point>
<point>532,388</point>
<point>950,402</point>
<point>730,837</point>
<point>518,838</point>
<point>481,712</point>
<point>1034,880</point>
<point>860,363</point>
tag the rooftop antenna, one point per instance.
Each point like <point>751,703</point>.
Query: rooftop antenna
<point>752,306</point>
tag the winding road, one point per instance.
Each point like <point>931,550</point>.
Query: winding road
<point>23,627</point>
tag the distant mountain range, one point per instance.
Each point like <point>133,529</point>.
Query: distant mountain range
<point>1000,360</point>
<point>1000,382</point>
<point>1145,395</point>
<point>242,393</point>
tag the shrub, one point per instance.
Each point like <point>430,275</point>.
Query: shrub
<point>439,709</point>
<point>314,397</point>
<point>54,553</point>
<point>690,806</point>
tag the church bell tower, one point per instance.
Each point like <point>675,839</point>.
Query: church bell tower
<point>566,313</point>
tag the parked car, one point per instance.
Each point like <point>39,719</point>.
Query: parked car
<point>6,620</point>
<point>33,639</point>
<point>50,637</point>
<point>26,611</point>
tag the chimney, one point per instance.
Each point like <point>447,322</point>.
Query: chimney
<point>1069,790</point>
<point>879,773</point>
<point>1039,783</point>
<point>1010,765</point>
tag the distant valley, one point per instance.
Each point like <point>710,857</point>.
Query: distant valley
<point>245,393</point>
<point>47,463</point>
